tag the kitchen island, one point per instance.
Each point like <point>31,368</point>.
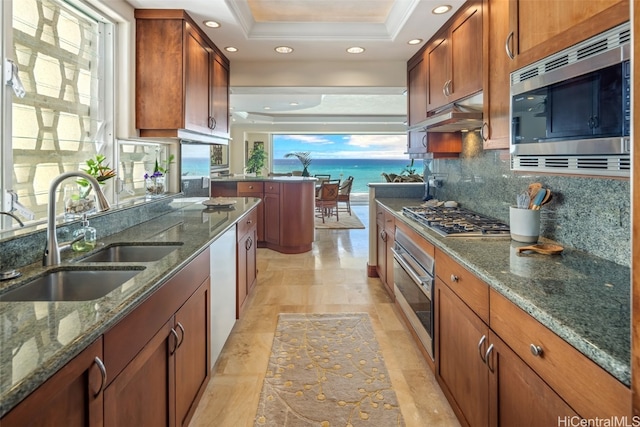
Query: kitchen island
<point>286,216</point>
<point>39,338</point>
<point>582,299</point>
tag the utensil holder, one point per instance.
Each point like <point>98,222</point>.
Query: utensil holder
<point>524,224</point>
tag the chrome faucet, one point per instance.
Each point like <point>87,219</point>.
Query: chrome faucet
<point>52,250</point>
<point>13,216</point>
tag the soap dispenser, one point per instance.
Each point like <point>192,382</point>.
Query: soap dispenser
<point>84,239</point>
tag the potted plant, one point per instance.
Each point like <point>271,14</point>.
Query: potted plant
<point>77,197</point>
<point>305,159</point>
<point>256,160</point>
<point>155,182</point>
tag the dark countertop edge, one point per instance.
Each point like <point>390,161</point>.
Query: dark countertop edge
<point>617,368</point>
<point>27,385</point>
<point>286,179</point>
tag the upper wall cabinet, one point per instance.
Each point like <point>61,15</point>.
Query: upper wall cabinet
<point>454,59</point>
<point>182,79</point>
<point>539,28</point>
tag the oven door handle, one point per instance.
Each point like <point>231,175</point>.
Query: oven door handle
<point>421,281</point>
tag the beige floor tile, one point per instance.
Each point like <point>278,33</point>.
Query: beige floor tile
<point>331,278</point>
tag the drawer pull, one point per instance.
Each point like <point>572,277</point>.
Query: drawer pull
<point>251,187</point>
<point>103,375</point>
<point>487,355</point>
<point>480,344</point>
<point>454,278</point>
<point>536,350</point>
<point>181,333</point>
<point>175,345</point>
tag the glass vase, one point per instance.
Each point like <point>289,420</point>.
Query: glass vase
<point>155,186</point>
<point>78,200</point>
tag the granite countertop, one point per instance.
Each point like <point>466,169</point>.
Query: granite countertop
<point>584,299</point>
<point>288,179</point>
<point>38,338</point>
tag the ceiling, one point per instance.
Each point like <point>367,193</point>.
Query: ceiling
<point>317,30</point>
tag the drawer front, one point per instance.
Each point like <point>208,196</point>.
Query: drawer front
<point>272,187</point>
<point>473,291</point>
<point>248,222</point>
<point>587,388</point>
<point>250,187</point>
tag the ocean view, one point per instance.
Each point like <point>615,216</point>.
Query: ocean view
<point>363,171</point>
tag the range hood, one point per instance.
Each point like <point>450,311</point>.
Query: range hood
<point>455,118</point>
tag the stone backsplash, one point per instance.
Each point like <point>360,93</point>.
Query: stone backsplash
<point>588,214</point>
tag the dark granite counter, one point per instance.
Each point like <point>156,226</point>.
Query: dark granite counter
<point>584,299</point>
<point>240,178</point>
<point>38,338</point>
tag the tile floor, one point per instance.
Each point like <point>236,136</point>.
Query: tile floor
<point>330,278</point>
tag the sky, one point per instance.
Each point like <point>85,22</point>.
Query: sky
<point>328,146</point>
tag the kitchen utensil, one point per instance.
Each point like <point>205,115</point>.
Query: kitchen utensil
<point>547,198</point>
<point>533,189</point>
<point>543,248</point>
<point>537,201</point>
<point>522,201</point>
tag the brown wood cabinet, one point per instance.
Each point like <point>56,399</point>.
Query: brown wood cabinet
<point>417,89</point>
<point>454,59</point>
<point>246,259</point>
<point>71,397</point>
<point>497,123</point>
<point>385,232</point>
<point>516,369</point>
<point>286,216</point>
<point>182,79</point>
<point>539,28</point>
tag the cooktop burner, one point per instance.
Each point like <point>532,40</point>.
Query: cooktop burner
<point>456,221</point>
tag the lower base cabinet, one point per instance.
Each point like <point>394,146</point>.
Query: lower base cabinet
<point>72,397</point>
<point>246,259</point>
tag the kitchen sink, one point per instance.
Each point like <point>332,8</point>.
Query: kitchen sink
<point>132,252</point>
<point>71,285</point>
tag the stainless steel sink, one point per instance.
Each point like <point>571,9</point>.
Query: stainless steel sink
<point>71,285</point>
<point>132,253</point>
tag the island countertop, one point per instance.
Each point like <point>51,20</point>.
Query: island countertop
<point>584,299</point>
<point>38,338</point>
<point>287,179</point>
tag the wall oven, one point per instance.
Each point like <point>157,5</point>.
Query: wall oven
<point>413,271</point>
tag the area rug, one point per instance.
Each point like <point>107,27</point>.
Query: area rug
<point>346,221</point>
<point>326,370</point>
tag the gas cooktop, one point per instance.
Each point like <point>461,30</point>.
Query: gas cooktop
<point>456,222</point>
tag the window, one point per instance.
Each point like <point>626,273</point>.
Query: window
<point>66,116</point>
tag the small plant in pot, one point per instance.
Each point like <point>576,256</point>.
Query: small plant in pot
<point>305,159</point>
<point>155,182</point>
<point>256,160</point>
<point>77,197</point>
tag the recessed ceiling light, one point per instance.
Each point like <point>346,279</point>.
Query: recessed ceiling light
<point>415,41</point>
<point>212,24</point>
<point>283,49</point>
<point>231,49</point>
<point>355,49</point>
<point>293,103</point>
<point>441,9</point>
<point>267,108</point>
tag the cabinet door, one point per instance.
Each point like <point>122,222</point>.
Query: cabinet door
<point>496,128</point>
<point>381,252</point>
<point>143,394</point>
<point>518,396</point>
<point>417,83</point>
<point>71,397</point>
<point>543,27</point>
<point>466,54</point>
<point>272,218</point>
<point>252,267</point>
<point>461,341</point>
<point>416,142</point>
<point>192,353</point>
<point>438,58</point>
<point>241,265</point>
<point>196,82</point>
<point>389,228</point>
<point>219,97</point>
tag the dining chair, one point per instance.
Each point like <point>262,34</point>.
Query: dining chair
<point>327,200</point>
<point>344,194</point>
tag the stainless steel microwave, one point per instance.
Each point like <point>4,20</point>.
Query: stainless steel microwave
<point>570,112</point>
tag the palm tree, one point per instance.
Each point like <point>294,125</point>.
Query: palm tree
<point>305,159</point>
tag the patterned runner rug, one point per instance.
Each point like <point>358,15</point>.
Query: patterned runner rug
<point>346,221</point>
<point>327,370</point>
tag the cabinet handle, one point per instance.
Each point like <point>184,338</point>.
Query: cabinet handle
<point>507,45</point>
<point>251,187</point>
<point>383,235</point>
<point>248,243</point>
<point>487,355</point>
<point>444,88</point>
<point>182,333</point>
<point>485,137</point>
<point>480,344</point>
<point>536,350</point>
<point>449,92</point>
<point>103,375</point>
<point>424,140</point>
<point>175,347</point>
<point>454,278</point>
